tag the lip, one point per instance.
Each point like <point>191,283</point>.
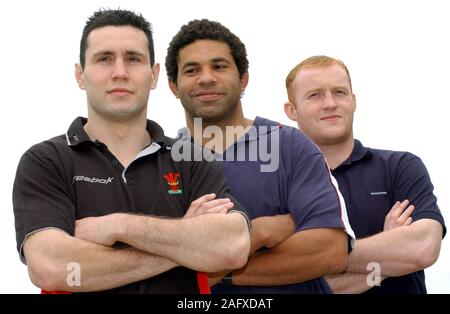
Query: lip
<point>119,91</point>
<point>331,117</point>
<point>208,95</point>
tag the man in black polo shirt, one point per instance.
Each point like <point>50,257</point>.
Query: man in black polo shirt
<point>111,179</point>
<point>389,195</point>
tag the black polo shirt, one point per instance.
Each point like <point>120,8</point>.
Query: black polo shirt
<point>371,181</point>
<point>71,177</point>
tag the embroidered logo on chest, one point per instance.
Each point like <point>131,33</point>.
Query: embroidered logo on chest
<point>173,182</point>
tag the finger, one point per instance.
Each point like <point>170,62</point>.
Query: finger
<point>216,202</point>
<point>214,209</point>
<point>393,209</point>
<point>399,208</point>
<point>408,221</point>
<point>208,207</point>
<point>225,210</point>
<point>407,213</point>
<point>203,199</point>
<point>221,208</point>
<point>195,205</point>
<point>203,205</point>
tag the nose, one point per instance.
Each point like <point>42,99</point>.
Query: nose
<point>207,77</point>
<point>120,71</point>
<point>329,102</point>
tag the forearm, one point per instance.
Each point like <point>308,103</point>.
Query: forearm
<point>398,251</point>
<point>351,282</point>
<point>209,242</point>
<point>303,256</point>
<point>100,267</point>
<point>393,259</point>
<point>267,231</point>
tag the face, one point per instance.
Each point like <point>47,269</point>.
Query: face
<point>117,75</point>
<point>324,105</point>
<point>208,82</point>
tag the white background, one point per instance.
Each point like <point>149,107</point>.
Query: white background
<point>397,53</point>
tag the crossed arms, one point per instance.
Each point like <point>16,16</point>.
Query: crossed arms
<point>291,257</point>
<point>403,247</point>
<point>205,239</point>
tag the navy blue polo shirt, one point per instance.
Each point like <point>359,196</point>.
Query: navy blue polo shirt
<point>70,177</point>
<point>371,181</point>
<point>273,170</point>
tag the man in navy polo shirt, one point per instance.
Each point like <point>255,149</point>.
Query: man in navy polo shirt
<point>274,171</point>
<point>389,195</point>
<point>112,179</point>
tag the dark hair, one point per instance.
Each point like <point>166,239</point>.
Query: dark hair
<point>107,17</point>
<point>204,29</point>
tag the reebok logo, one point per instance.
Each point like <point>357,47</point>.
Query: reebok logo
<point>92,180</point>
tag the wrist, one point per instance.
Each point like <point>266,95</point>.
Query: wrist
<point>119,226</point>
<point>259,234</point>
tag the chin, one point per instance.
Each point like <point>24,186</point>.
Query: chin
<point>333,139</point>
<point>210,117</point>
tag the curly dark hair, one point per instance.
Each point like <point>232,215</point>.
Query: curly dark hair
<point>204,29</point>
<point>119,17</point>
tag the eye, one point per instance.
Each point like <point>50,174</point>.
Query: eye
<point>104,59</point>
<point>313,95</point>
<point>134,59</point>
<point>190,71</point>
<point>220,66</point>
<point>341,92</point>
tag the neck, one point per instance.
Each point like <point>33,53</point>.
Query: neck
<point>336,154</point>
<point>219,135</point>
<point>124,138</point>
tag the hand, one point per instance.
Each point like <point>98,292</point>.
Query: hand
<point>270,231</point>
<point>98,230</point>
<point>399,215</point>
<point>208,204</point>
<point>281,227</point>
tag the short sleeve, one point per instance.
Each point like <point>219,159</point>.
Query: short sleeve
<point>40,199</point>
<point>312,197</point>
<point>413,182</point>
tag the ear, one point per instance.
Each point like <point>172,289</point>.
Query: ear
<point>173,87</point>
<point>244,81</point>
<point>79,76</point>
<point>155,75</point>
<point>290,110</point>
<point>354,103</point>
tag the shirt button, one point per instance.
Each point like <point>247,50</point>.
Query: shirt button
<point>115,162</point>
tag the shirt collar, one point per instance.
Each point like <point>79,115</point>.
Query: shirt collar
<point>260,127</point>
<point>359,153</point>
<point>77,135</point>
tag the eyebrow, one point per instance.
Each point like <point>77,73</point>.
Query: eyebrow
<point>213,60</point>
<point>189,64</point>
<point>111,53</point>
<point>220,59</point>
<point>103,53</point>
<point>341,87</point>
<point>318,89</point>
<point>313,90</point>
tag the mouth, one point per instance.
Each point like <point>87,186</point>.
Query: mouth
<point>208,95</point>
<point>331,117</point>
<point>119,91</point>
